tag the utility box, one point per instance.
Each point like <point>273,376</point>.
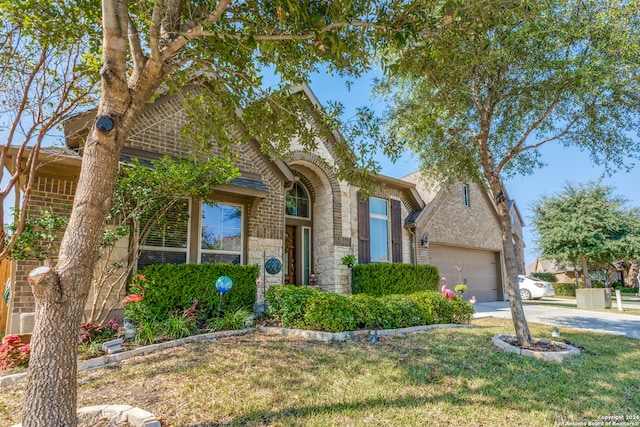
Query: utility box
<point>593,298</point>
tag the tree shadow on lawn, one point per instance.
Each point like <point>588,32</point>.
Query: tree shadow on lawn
<point>461,369</point>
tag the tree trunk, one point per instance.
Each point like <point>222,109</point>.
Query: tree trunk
<point>55,377</point>
<point>585,273</point>
<point>633,275</point>
<point>61,292</point>
<point>508,248</point>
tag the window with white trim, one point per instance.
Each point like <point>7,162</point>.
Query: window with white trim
<point>221,234</point>
<point>167,241</point>
<point>298,202</point>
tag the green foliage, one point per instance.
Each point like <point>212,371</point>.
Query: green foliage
<point>349,259</point>
<point>39,235</point>
<point>179,325</point>
<point>288,302</point>
<point>588,221</point>
<point>89,349</point>
<point>547,277</point>
<point>305,308</point>
<point>331,312</point>
<point>462,311</point>
<point>460,288</point>
<point>230,320</point>
<point>172,288</point>
<point>503,82</point>
<point>147,332</point>
<point>565,289</point>
<point>395,278</point>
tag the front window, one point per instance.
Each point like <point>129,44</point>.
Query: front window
<point>167,239</point>
<point>221,236</point>
<point>298,202</point>
<point>379,229</point>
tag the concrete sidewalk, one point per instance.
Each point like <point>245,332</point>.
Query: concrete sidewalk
<point>596,321</point>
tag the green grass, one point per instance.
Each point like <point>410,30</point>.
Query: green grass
<point>442,377</point>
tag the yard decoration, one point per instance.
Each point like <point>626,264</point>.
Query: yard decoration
<point>223,285</point>
<point>446,292</point>
<point>135,281</point>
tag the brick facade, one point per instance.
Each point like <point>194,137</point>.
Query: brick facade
<point>333,223</point>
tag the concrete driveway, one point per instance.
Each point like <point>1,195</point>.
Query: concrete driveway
<point>609,322</point>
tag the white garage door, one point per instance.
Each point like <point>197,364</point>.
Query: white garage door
<point>479,270</point>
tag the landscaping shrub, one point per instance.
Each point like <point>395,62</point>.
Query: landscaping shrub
<point>462,311</point>
<point>288,303</point>
<point>565,289</point>
<point>404,310</point>
<point>331,312</point>
<point>547,277</point>
<point>438,309</point>
<point>173,288</point>
<point>305,308</point>
<point>371,312</point>
<point>395,278</point>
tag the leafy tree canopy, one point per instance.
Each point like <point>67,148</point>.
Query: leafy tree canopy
<point>486,96</point>
<point>586,221</point>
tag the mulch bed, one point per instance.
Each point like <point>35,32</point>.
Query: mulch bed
<point>537,345</point>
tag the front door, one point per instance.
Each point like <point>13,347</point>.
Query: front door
<point>290,255</point>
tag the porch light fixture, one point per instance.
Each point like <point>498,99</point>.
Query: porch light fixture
<point>425,241</point>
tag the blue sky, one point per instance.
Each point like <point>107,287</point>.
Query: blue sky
<point>564,165</point>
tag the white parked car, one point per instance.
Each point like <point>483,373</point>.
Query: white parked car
<point>533,288</point>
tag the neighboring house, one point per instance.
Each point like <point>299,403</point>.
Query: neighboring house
<point>563,274</point>
<point>296,211</point>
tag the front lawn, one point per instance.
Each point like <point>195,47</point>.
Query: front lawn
<point>440,377</point>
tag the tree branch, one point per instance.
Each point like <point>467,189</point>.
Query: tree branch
<point>518,147</point>
<point>139,59</point>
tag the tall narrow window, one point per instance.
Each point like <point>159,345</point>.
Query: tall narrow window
<point>221,236</point>
<point>465,194</point>
<point>166,240</point>
<point>379,229</point>
<point>306,254</point>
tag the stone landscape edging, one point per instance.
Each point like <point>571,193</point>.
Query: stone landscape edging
<point>122,415</point>
<point>551,356</point>
<point>352,335</point>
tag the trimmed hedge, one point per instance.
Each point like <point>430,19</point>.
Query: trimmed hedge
<point>172,288</point>
<point>565,289</point>
<point>305,308</point>
<point>392,279</point>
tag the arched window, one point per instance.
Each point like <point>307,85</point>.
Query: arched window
<point>298,202</point>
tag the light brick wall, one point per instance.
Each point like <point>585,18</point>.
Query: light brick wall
<point>54,194</point>
<point>473,226</point>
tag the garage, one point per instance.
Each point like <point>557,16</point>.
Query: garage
<point>478,270</point>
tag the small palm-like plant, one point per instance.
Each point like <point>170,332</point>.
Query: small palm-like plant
<point>231,320</point>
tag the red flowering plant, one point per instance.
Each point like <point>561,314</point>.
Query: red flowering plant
<point>90,332</point>
<point>13,352</point>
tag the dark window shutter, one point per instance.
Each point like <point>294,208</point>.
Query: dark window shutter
<point>364,235</point>
<point>396,231</point>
